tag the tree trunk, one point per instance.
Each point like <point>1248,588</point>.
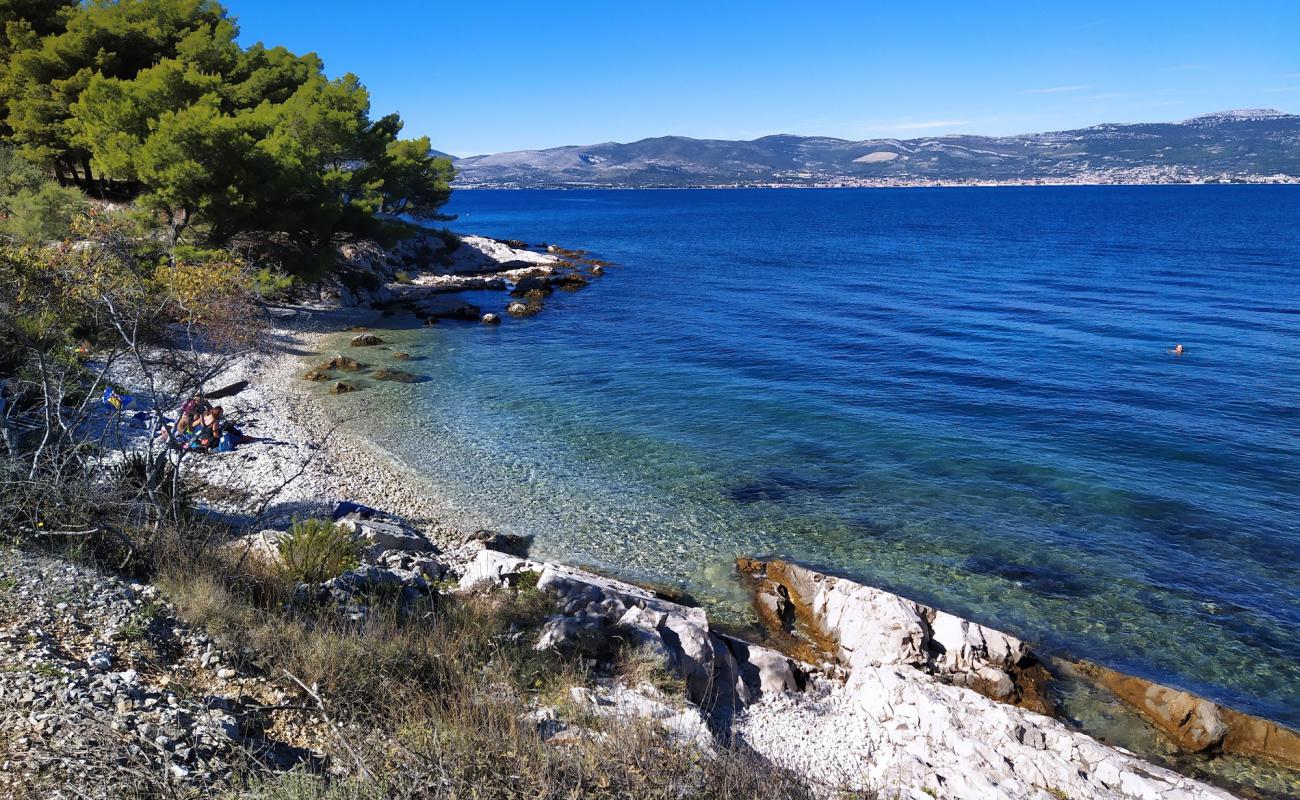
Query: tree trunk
<point>90,179</point>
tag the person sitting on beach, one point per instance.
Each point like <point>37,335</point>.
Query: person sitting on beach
<point>187,422</point>
<point>208,430</point>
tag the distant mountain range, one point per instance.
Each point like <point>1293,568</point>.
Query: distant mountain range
<point>1249,145</point>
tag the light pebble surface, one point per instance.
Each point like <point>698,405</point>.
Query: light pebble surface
<point>311,461</point>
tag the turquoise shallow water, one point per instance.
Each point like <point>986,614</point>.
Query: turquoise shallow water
<point>961,394</point>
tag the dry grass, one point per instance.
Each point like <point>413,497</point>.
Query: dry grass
<point>431,700</point>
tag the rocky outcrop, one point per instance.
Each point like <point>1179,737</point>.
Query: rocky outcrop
<point>1198,725</point>
<point>821,618</point>
<point>481,254</point>
<point>382,534</point>
<point>722,674</point>
<point>491,319</point>
<point>900,732</point>
<point>365,340</point>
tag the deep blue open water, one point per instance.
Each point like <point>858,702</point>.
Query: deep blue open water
<point>964,395</point>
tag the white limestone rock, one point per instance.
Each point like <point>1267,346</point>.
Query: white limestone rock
<point>685,725</point>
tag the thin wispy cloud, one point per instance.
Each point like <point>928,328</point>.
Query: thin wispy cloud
<point>1276,89</point>
<point>1055,89</point>
<point>1110,95</point>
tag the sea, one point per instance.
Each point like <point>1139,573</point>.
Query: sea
<point>964,395</point>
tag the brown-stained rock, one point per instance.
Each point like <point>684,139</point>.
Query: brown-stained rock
<point>366,340</point>
<point>1192,722</point>
<point>315,375</point>
<point>401,356</point>
<point>344,387</point>
<point>1197,725</point>
<point>1253,736</point>
<point>340,362</point>
<point>806,613</point>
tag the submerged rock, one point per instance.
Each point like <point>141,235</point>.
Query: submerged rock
<point>396,375</point>
<point>571,282</point>
<point>344,387</point>
<point>1196,724</point>
<point>340,362</point>
<point>401,356</point>
<point>366,340</point>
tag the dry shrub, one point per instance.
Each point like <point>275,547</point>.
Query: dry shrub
<point>432,701</point>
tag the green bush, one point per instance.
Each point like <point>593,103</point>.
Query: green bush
<point>316,550</point>
<point>43,214</point>
<point>271,284</point>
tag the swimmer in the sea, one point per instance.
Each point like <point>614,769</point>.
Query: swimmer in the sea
<point>1178,350</point>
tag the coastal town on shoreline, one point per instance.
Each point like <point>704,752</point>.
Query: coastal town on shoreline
<point>1137,176</point>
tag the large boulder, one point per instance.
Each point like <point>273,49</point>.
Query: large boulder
<point>259,549</point>
<point>716,679</point>
<point>821,618</point>
<point>491,568</point>
<point>381,534</point>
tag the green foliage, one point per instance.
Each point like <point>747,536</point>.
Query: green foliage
<point>317,550</point>
<point>42,214</point>
<point>270,284</point>
<point>16,174</point>
<point>156,98</point>
<point>415,182</point>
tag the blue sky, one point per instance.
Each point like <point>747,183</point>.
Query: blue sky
<point>483,77</point>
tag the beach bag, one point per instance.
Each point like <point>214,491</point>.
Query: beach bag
<point>116,401</point>
<point>227,442</point>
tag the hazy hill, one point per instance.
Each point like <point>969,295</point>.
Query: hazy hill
<point>1231,144</point>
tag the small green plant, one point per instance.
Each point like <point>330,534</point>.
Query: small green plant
<point>139,622</point>
<point>48,671</point>
<point>7,585</point>
<point>401,276</point>
<point>316,550</point>
<point>271,284</point>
